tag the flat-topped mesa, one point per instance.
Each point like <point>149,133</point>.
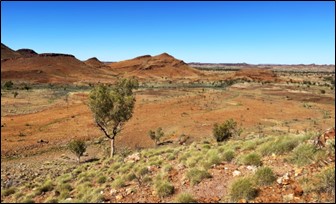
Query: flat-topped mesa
<point>27,52</point>
<point>55,55</point>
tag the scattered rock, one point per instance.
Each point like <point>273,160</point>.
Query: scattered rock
<point>68,199</point>
<point>113,191</point>
<point>180,167</point>
<point>152,168</point>
<point>298,191</point>
<point>236,173</point>
<point>133,158</point>
<point>288,197</point>
<point>242,201</point>
<point>252,168</point>
<point>119,197</point>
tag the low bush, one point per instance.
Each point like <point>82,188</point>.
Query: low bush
<point>252,159</point>
<point>264,176</point>
<point>242,188</point>
<point>185,198</point>
<point>196,176</point>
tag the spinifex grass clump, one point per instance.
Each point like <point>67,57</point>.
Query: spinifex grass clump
<point>242,188</point>
<point>264,176</point>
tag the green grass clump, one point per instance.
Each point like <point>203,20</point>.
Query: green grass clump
<point>8,191</point>
<point>101,179</point>
<point>280,145</point>
<point>252,159</point>
<point>303,154</point>
<point>164,188</point>
<point>213,157</point>
<point>264,176</point>
<point>242,188</point>
<point>185,198</point>
<point>118,183</point>
<point>47,186</point>
<point>228,155</point>
<point>196,176</point>
<point>327,181</point>
<point>130,176</point>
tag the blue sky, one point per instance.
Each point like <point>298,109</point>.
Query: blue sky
<point>251,32</point>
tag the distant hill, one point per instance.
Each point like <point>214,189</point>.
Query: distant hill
<point>94,62</point>
<point>163,65</point>
<point>7,53</point>
<point>27,52</point>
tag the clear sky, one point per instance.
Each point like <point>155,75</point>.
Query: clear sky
<point>229,32</point>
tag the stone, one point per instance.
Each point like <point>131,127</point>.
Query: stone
<point>288,197</point>
<point>119,197</point>
<point>242,201</point>
<point>252,168</point>
<point>298,191</point>
<point>113,191</point>
<point>68,199</point>
<point>133,158</point>
<point>236,173</point>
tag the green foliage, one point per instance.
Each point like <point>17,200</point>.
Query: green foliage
<point>47,186</point>
<point>327,180</point>
<point>264,176</point>
<point>77,147</point>
<point>7,192</point>
<point>112,107</point>
<point>280,145</point>
<point>164,188</point>
<point>156,135</point>
<point>8,85</point>
<point>228,155</point>
<point>303,154</point>
<point>195,175</point>
<point>185,198</point>
<point>252,159</point>
<point>226,130</point>
<point>101,179</point>
<point>242,188</point>
<point>118,183</point>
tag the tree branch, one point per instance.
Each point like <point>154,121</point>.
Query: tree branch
<point>104,130</point>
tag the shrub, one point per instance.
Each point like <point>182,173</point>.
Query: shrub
<point>195,175</point>
<point>47,186</point>
<point>8,191</point>
<point>264,176</point>
<point>252,159</point>
<point>303,154</point>
<point>8,84</point>
<point>101,179</point>
<point>225,130</point>
<point>228,155</point>
<point>15,94</point>
<point>164,189</point>
<point>156,136</point>
<point>327,181</point>
<point>279,146</point>
<point>185,198</point>
<point>242,188</point>
<point>77,147</point>
<point>118,183</point>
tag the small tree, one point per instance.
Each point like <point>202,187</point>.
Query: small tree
<point>77,147</point>
<point>226,130</point>
<point>156,136</point>
<point>112,107</point>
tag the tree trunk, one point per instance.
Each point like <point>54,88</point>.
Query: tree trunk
<point>78,160</point>
<point>112,147</point>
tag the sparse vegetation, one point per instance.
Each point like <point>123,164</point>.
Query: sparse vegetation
<point>164,188</point>
<point>252,159</point>
<point>226,130</point>
<point>77,147</point>
<point>113,107</point>
<point>196,175</point>
<point>156,135</point>
<point>242,188</point>
<point>264,176</point>
<point>185,198</point>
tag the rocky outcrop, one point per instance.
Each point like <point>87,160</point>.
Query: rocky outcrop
<point>27,52</point>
